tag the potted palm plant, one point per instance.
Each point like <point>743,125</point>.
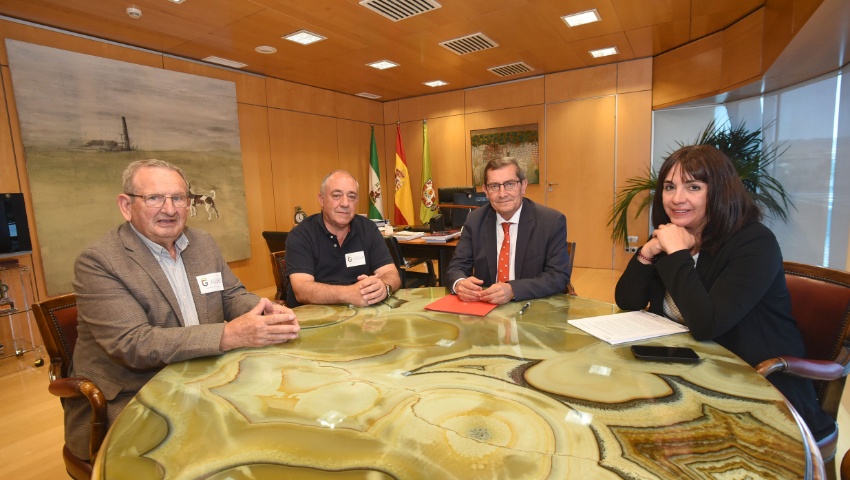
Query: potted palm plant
<point>748,153</point>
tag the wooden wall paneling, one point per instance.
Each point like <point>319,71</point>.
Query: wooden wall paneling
<point>351,107</point>
<point>391,112</point>
<point>687,72</point>
<point>447,144</point>
<point>431,106</point>
<point>8,166</point>
<point>250,89</point>
<point>303,150</point>
<point>353,139</point>
<point>300,98</point>
<point>634,158</point>
<point>255,272</point>
<point>742,50</point>
<point>580,153</point>
<point>530,91</point>
<point>507,118</point>
<point>73,43</point>
<point>583,83</point>
<point>634,76</point>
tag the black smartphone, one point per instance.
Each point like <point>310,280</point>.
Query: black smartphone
<point>665,354</point>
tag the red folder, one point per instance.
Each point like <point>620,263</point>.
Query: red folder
<point>453,304</point>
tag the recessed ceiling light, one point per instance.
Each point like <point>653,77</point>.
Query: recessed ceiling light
<point>177,1</point>
<point>368,95</point>
<point>304,37</point>
<point>225,62</point>
<point>581,18</point>
<point>382,64</point>
<point>436,83</point>
<point>604,52</point>
<point>265,49</point>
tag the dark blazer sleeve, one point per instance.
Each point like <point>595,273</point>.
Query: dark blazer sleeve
<point>542,258</point>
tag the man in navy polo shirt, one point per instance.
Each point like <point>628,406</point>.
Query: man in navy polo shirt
<point>338,256</point>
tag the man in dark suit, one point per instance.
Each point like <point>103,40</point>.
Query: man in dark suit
<point>153,292</point>
<point>511,249</point>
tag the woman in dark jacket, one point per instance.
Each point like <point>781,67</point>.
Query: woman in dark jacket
<point>712,266</point>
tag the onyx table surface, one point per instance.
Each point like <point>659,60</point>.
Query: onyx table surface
<point>405,393</point>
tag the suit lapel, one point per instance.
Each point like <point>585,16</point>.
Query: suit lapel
<point>527,221</point>
<point>139,252</point>
<point>193,265</point>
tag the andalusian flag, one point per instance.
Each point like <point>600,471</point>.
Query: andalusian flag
<point>428,208</point>
<point>376,202</point>
<point>403,197</point>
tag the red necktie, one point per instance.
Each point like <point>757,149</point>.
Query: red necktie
<point>504,265</point>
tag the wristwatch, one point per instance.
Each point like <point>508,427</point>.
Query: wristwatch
<point>389,290</point>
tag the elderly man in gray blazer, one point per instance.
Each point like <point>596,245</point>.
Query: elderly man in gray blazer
<point>511,249</point>
<point>153,292</point>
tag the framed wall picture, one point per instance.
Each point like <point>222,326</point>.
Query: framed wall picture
<point>519,142</point>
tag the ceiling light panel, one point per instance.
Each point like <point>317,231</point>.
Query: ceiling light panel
<point>581,18</point>
<point>435,83</point>
<point>469,44</point>
<point>604,52</point>
<point>511,69</point>
<point>397,10</point>
<point>382,64</point>
<point>225,62</point>
<point>304,37</point>
<point>370,96</point>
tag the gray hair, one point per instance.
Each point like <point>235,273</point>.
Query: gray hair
<point>133,168</point>
<point>325,180</point>
<point>497,163</point>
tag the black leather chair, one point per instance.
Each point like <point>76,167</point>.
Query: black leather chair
<point>411,278</point>
<point>275,240</point>
<point>571,250</point>
<point>281,281</point>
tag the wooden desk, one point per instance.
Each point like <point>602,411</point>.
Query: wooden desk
<point>405,393</point>
<point>441,252</point>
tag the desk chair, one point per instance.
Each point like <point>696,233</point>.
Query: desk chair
<point>410,278</point>
<point>820,302</point>
<point>571,251</point>
<point>57,322</point>
<point>275,240</point>
<point>280,278</point>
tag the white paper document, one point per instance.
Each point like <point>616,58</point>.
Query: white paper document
<point>628,326</point>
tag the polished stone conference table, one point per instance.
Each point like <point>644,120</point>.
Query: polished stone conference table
<point>403,393</point>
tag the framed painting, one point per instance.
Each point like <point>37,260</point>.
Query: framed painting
<point>85,118</point>
<point>519,142</point>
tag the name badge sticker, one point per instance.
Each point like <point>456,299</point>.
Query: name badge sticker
<point>355,259</point>
<point>210,282</point>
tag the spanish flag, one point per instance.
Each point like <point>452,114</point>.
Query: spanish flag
<point>403,196</point>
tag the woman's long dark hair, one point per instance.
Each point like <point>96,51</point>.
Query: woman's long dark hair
<point>728,206</point>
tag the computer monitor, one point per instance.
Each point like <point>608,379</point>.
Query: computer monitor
<point>446,196</point>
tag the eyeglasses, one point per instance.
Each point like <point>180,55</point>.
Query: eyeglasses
<point>156,200</point>
<point>510,186</point>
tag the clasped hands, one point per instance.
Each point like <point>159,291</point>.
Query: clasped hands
<point>266,324</point>
<point>369,290</point>
<point>668,238</point>
<point>469,290</point>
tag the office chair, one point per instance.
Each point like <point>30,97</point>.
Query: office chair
<point>571,251</point>
<point>820,302</point>
<point>275,240</point>
<point>280,278</point>
<point>57,321</point>
<point>409,277</point>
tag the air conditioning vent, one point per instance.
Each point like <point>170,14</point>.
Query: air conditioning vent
<point>511,69</point>
<point>397,10</point>
<point>470,43</point>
